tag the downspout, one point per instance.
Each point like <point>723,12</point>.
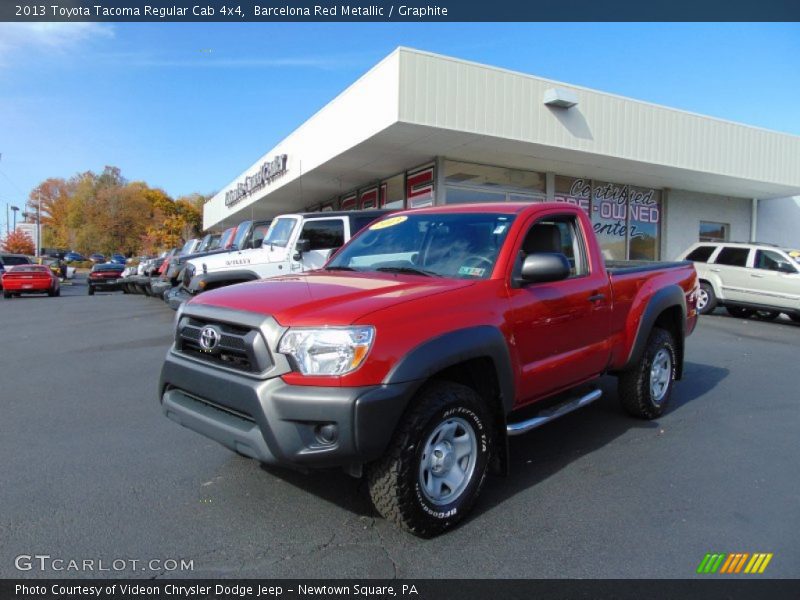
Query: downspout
<point>754,220</point>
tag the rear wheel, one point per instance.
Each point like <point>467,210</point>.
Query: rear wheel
<point>767,315</point>
<point>739,312</point>
<point>645,389</point>
<point>7,295</point>
<point>436,463</point>
<point>90,291</point>
<point>706,299</point>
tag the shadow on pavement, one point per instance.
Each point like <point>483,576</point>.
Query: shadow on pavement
<point>533,457</point>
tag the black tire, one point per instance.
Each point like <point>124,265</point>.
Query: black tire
<point>795,318</point>
<point>7,295</point>
<point>739,312</point>
<point>707,291</point>
<point>58,292</point>
<point>396,481</point>
<point>51,293</point>
<point>635,390</point>
<point>767,315</point>
<point>90,291</point>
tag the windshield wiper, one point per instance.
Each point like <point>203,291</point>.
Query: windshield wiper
<point>410,270</point>
<point>339,268</point>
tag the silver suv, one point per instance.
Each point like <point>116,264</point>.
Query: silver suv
<point>747,279</point>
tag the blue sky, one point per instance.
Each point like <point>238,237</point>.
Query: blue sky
<point>187,106</point>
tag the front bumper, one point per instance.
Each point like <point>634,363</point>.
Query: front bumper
<point>159,286</point>
<point>277,423</point>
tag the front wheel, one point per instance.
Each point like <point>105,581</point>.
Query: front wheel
<point>795,318</point>
<point>436,464</point>
<point>7,295</point>
<point>645,389</point>
<point>91,291</point>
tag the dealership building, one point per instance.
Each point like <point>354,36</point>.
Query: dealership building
<point>420,129</point>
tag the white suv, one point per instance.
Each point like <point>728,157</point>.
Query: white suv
<point>747,279</point>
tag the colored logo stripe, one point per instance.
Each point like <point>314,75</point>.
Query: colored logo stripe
<point>734,563</point>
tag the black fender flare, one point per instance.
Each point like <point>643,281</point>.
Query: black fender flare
<point>224,277</point>
<point>456,347</point>
<point>664,299</point>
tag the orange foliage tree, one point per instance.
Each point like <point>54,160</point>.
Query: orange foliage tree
<point>106,213</point>
<point>19,242</point>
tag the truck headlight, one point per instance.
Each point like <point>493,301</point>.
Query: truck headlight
<point>327,351</point>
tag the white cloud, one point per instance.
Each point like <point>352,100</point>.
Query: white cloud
<point>17,38</point>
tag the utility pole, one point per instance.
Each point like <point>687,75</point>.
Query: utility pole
<point>38,221</point>
<point>15,209</point>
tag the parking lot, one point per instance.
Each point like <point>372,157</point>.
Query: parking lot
<point>92,470</point>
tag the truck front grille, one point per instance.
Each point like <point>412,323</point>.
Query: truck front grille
<point>239,348</point>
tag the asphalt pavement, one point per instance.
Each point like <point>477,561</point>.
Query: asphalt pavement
<point>90,469</point>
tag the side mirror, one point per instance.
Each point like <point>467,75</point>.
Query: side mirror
<point>785,267</point>
<point>542,267</point>
<point>258,243</point>
<point>302,246</point>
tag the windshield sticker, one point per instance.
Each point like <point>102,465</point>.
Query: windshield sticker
<point>390,222</point>
<point>471,271</point>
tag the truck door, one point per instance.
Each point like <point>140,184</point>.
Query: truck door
<point>324,237</point>
<point>560,328</point>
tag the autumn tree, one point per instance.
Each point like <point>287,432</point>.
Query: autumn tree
<point>106,213</point>
<point>19,242</point>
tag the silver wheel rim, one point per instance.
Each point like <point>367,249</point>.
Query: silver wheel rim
<point>660,375</point>
<point>448,461</point>
<point>702,299</point>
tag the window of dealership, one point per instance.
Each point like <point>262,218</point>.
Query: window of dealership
<point>625,218</point>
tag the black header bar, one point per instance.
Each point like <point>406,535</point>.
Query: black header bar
<point>237,11</point>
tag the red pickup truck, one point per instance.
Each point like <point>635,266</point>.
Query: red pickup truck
<point>424,343</point>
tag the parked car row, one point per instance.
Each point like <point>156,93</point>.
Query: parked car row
<point>252,250</point>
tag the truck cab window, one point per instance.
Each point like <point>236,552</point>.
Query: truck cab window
<point>324,234</point>
<point>560,234</point>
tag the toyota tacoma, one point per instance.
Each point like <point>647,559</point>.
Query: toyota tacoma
<point>424,343</point>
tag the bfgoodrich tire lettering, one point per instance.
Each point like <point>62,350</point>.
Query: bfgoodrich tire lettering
<point>645,389</point>
<point>397,481</point>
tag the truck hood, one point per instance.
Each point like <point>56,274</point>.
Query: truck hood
<point>326,298</point>
<point>233,259</point>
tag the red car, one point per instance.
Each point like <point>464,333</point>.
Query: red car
<point>30,279</point>
<point>427,341</point>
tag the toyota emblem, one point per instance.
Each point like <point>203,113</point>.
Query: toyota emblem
<point>209,338</point>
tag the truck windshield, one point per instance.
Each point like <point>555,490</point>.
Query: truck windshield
<point>226,238</point>
<point>460,246</point>
<point>280,231</point>
<point>241,234</point>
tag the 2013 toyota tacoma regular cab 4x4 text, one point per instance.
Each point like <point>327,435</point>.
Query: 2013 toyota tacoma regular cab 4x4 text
<point>422,344</point>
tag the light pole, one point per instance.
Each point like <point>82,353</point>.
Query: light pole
<point>15,209</point>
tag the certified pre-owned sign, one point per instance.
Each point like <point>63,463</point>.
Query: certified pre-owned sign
<point>268,173</point>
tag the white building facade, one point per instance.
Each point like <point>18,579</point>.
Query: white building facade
<point>420,129</point>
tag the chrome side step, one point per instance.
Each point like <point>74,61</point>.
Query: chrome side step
<point>553,413</point>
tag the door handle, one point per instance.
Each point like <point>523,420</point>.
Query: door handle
<point>715,270</point>
<point>756,275</point>
<point>597,297</point>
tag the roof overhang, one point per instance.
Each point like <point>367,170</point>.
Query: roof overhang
<point>402,114</point>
